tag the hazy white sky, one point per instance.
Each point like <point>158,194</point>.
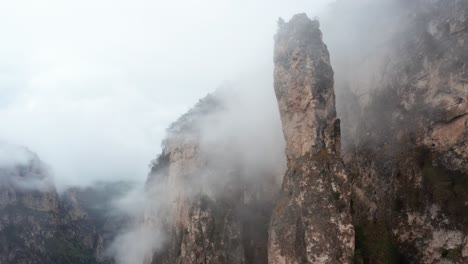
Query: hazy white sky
<point>91,85</point>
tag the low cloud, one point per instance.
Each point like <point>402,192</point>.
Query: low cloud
<point>91,86</point>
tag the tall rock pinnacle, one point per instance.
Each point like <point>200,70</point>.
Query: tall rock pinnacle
<point>311,222</point>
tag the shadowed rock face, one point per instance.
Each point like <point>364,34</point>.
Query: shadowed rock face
<point>311,222</point>
<point>403,102</point>
<point>28,202</point>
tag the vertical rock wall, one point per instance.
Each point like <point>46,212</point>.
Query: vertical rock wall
<point>311,222</point>
<point>215,211</point>
<point>401,71</point>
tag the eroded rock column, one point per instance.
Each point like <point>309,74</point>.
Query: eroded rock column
<point>311,222</point>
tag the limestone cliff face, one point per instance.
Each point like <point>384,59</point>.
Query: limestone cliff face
<point>214,211</point>
<point>36,224</point>
<point>27,207</point>
<point>403,102</point>
<point>311,222</point>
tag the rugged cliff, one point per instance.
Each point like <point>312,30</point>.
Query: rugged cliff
<point>27,208</point>
<point>216,208</point>
<point>387,182</point>
<point>311,222</point>
<point>218,205</point>
<point>402,96</point>
<point>394,192</point>
<point>37,225</point>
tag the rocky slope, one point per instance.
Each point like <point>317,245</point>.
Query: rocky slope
<point>311,222</point>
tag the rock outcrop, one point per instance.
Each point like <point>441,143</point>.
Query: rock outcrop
<point>311,222</point>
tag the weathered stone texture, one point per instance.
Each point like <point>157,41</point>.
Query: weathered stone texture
<point>311,222</point>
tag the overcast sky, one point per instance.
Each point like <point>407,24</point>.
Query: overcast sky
<point>91,85</point>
